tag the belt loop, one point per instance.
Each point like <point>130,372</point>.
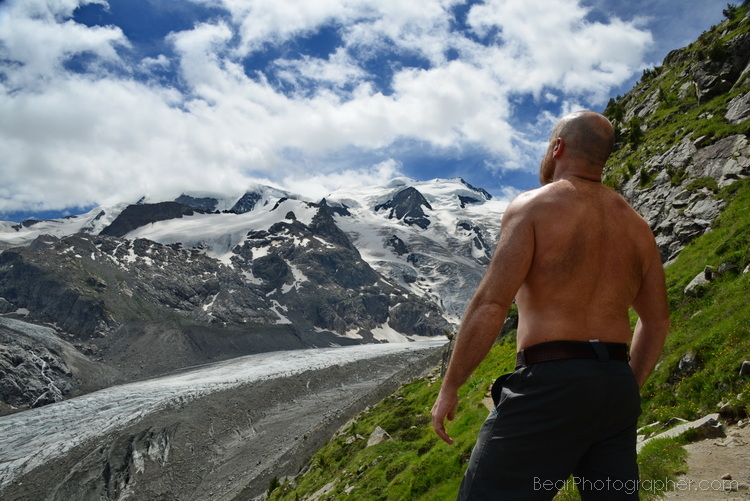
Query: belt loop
<point>602,353</point>
<point>520,359</point>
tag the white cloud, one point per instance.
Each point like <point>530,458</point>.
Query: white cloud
<point>36,38</point>
<point>74,138</point>
<point>318,186</point>
<point>202,57</point>
<point>549,43</point>
<point>150,63</point>
<point>339,70</point>
<point>262,21</point>
<point>452,104</point>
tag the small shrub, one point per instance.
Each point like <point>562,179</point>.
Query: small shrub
<point>644,178</point>
<point>668,100</point>
<point>676,176</point>
<point>700,183</point>
<point>273,485</point>
<point>730,11</point>
<point>635,134</point>
<point>718,52</point>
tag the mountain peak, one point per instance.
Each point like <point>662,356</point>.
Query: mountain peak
<point>407,205</point>
<point>481,191</point>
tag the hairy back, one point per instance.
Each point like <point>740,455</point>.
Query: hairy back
<point>591,250</point>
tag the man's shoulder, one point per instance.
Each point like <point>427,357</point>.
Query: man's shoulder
<point>537,198</point>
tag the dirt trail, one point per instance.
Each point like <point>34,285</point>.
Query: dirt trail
<point>717,469</point>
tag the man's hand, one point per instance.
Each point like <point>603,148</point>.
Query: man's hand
<point>444,408</point>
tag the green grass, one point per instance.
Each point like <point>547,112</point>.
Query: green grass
<point>659,462</point>
<point>415,464</point>
<point>715,327</point>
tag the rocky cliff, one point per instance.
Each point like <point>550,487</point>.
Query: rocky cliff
<point>683,134</point>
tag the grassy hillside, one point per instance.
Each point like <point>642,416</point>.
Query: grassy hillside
<point>416,465</point>
<point>673,109</point>
<point>714,329</point>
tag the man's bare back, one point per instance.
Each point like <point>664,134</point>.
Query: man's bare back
<point>590,254</point>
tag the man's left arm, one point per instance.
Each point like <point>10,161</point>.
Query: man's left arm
<point>652,306</point>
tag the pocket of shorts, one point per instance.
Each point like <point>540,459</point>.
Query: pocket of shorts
<point>497,387</point>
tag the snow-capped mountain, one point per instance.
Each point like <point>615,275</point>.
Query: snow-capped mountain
<point>158,285</point>
<point>434,238</point>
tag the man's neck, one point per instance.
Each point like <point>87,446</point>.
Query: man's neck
<point>589,178</point>
<point>577,172</point>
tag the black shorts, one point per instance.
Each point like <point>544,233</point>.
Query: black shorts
<point>554,420</point>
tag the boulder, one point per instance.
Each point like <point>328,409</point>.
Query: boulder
<point>706,427</point>
<point>706,209</point>
<point>354,438</point>
<point>689,363</point>
<point>378,437</point>
<point>727,268</point>
<point>697,286</point>
<point>732,411</point>
<point>726,160</point>
<point>738,109</point>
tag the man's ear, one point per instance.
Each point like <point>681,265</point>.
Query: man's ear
<point>559,147</point>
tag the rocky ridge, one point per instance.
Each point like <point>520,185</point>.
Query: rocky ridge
<point>699,101</point>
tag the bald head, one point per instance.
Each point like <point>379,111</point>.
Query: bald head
<point>588,136</point>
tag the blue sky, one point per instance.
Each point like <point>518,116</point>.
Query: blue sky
<point>109,101</point>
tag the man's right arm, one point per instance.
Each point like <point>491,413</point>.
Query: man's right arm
<point>487,309</point>
<point>652,307</point>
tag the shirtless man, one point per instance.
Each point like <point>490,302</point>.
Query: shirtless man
<point>575,256</point>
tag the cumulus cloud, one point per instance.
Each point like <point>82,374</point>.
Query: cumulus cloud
<point>83,120</point>
<point>551,44</point>
<point>317,186</point>
<point>37,38</point>
<point>339,70</point>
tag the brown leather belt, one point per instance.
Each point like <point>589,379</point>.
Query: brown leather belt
<point>561,350</point>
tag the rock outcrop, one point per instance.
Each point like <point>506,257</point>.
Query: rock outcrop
<point>676,182</point>
<point>37,367</point>
<point>135,216</point>
<point>679,210</point>
<point>706,427</point>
